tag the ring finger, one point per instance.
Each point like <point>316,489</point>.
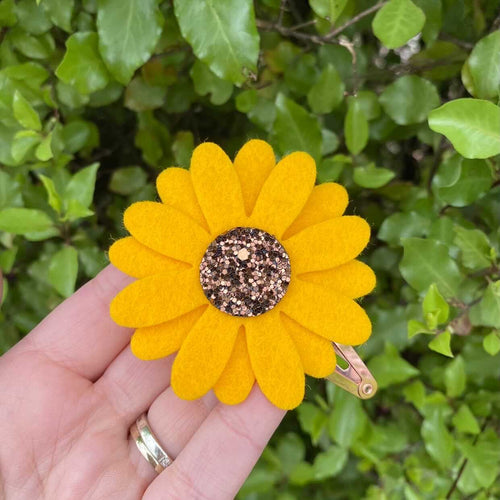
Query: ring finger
<point>174,422</point>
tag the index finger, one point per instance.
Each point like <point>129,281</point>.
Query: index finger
<point>80,334</point>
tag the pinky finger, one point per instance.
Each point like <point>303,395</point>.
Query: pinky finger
<point>222,453</point>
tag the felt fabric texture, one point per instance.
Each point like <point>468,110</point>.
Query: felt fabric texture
<point>158,298</point>
<point>238,378</point>
<point>327,244</point>
<point>217,187</point>
<point>226,353</point>
<point>159,341</point>
<point>204,354</point>
<point>251,173</point>
<point>175,234</point>
<point>175,187</point>
<point>275,361</point>
<point>316,353</point>
<point>352,279</point>
<point>326,313</point>
<point>139,261</point>
<point>327,201</point>
<point>284,193</point>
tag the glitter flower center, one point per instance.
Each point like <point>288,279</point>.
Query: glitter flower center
<point>245,272</point>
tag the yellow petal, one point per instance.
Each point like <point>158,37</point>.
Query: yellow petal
<point>237,379</point>
<point>327,201</point>
<point>253,163</point>
<point>139,261</point>
<point>175,188</point>
<point>217,188</point>
<point>275,360</point>
<point>327,244</point>
<point>158,298</point>
<point>204,354</point>
<point>159,341</point>
<point>316,353</point>
<point>352,279</point>
<point>284,193</point>
<point>167,231</point>
<point>326,313</point>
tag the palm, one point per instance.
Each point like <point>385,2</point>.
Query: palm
<point>70,391</point>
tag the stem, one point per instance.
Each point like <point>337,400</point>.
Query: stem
<point>355,19</point>
<point>464,463</point>
<point>293,32</point>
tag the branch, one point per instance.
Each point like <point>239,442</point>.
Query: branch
<point>464,463</point>
<point>293,32</point>
<point>335,32</point>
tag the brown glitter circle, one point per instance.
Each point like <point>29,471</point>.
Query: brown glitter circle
<point>245,272</point>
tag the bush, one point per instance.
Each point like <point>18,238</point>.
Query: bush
<point>396,100</point>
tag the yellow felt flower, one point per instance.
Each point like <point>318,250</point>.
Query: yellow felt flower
<point>306,299</point>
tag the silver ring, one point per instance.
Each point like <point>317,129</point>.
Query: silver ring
<point>148,445</point>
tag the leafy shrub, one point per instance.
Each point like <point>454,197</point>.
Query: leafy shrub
<point>398,101</point>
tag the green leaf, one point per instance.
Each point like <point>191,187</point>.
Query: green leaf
<point>460,182</point>
<point>372,177</point>
<point>63,270</point>
<point>465,421</point>
<point>355,127</point>
<point>427,261</point>
<point>139,96</point>
<point>60,13</point>
<point>487,311</point>
<point>206,82</point>
<point>439,443</point>
<point>128,33</point>
<point>74,210</point>
<point>43,151</point>
<point>475,247</point>
<point>327,93</point>
<point>401,225</point>
<point>128,180</point>
<point>24,141</point>
<point>398,21</point>
<point>329,463</point>
<point>291,451</point>
<point>471,125</point>
<point>347,420</point>
<point>435,304</point>
<point>433,22</point>
<point>455,378</point>
<point>295,129</point>
<point>328,9</point>
<point>182,148</point>
<point>53,196</point>
<point>32,17</point>
<point>82,66</point>
<point>369,103</point>
<point>24,113</point>
<point>312,420</point>
<point>441,344</point>
<point>491,343</point>
<point>330,169</point>
<point>81,186</point>
<point>390,368</point>
<point>484,66</point>
<point>24,220</point>
<point>416,327</point>
<point>223,35</point>
<point>409,99</point>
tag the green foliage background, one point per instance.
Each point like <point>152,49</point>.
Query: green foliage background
<point>96,97</point>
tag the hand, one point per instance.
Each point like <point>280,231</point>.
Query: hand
<point>71,389</point>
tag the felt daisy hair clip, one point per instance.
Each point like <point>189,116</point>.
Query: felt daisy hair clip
<point>248,271</point>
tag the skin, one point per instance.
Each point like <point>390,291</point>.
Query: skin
<point>71,389</point>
